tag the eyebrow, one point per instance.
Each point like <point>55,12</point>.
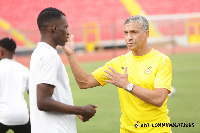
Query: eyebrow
<point>130,30</point>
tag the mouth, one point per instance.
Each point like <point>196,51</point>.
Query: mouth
<point>130,43</point>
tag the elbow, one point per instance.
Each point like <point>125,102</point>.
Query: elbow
<point>41,106</point>
<point>83,86</point>
<point>159,103</point>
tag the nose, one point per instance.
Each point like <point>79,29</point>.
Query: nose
<point>129,36</point>
<point>67,31</point>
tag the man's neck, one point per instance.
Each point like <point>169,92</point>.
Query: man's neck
<point>141,51</point>
<point>7,57</point>
<point>48,41</point>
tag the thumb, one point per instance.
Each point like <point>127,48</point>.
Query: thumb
<point>72,39</point>
<point>94,106</point>
<point>125,70</point>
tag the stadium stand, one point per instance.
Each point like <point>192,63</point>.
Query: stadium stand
<point>158,7</point>
<point>109,15</point>
<point>22,14</point>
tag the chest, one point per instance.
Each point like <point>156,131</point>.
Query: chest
<point>140,72</point>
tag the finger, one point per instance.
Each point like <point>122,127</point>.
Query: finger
<point>125,70</point>
<point>109,81</point>
<point>108,72</point>
<point>80,117</point>
<point>94,106</point>
<point>72,39</point>
<point>108,77</point>
<point>85,119</point>
<point>113,70</point>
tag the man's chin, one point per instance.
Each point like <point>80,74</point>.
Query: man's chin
<point>131,48</point>
<point>61,44</point>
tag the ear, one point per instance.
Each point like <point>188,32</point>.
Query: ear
<point>1,53</point>
<point>147,33</point>
<point>54,28</point>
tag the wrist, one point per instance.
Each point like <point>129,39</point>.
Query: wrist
<point>78,110</point>
<point>69,54</point>
<point>129,87</point>
<point>125,85</point>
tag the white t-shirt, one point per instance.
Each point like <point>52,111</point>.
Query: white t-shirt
<point>47,67</point>
<point>13,83</point>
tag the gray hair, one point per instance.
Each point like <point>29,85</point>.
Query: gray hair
<point>139,19</point>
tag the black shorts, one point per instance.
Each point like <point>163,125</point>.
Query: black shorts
<point>16,128</point>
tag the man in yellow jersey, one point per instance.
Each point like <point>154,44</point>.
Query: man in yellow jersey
<point>142,76</point>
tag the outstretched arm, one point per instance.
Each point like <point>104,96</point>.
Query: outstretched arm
<point>83,79</point>
<point>155,97</point>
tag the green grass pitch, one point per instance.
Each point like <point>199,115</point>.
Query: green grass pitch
<point>183,106</point>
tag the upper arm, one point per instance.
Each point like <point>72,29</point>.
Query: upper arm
<point>164,75</point>
<point>44,93</point>
<point>99,74</point>
<point>91,82</point>
<point>47,71</point>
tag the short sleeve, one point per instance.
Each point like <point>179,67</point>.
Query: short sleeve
<point>48,70</point>
<point>164,74</point>
<point>99,74</point>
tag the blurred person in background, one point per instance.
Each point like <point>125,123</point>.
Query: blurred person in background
<point>143,78</point>
<point>14,79</point>
<point>51,103</point>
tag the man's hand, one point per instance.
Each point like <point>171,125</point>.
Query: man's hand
<point>117,79</point>
<point>88,112</point>
<point>69,46</point>
<point>83,119</point>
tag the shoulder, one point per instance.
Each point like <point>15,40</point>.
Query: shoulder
<point>44,53</point>
<point>163,59</point>
<point>160,55</point>
<point>20,66</point>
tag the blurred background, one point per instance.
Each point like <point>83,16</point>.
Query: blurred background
<point>98,29</point>
<point>98,24</point>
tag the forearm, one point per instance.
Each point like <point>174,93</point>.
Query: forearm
<point>47,104</point>
<point>79,73</point>
<point>155,97</point>
<point>50,105</point>
<point>83,79</point>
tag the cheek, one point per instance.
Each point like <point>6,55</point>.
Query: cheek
<point>126,40</point>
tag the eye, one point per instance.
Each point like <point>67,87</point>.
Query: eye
<point>125,32</point>
<point>133,31</point>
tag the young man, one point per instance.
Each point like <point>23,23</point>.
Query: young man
<point>13,83</point>
<point>51,103</point>
<point>142,76</point>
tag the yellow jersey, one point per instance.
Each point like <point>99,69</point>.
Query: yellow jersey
<point>153,70</point>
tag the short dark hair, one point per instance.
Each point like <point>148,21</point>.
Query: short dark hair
<point>48,15</point>
<point>8,44</point>
<point>139,19</point>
